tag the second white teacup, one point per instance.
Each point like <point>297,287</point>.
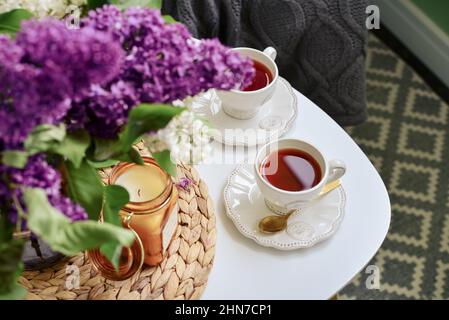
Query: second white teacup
<point>280,200</point>
<point>241,104</point>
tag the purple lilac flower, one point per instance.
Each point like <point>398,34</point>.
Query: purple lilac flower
<point>71,210</point>
<point>163,64</point>
<point>39,174</point>
<point>109,19</point>
<point>10,55</point>
<point>184,183</point>
<point>82,57</point>
<point>9,50</point>
<point>220,68</point>
<point>109,107</point>
<point>45,69</point>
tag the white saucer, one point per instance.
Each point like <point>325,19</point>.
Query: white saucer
<point>273,120</point>
<point>245,206</point>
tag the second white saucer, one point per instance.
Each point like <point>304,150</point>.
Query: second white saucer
<point>273,120</point>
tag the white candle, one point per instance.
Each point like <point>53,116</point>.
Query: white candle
<point>143,183</point>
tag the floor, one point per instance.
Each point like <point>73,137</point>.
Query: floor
<point>406,137</point>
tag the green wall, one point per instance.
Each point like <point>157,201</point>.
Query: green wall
<point>437,11</point>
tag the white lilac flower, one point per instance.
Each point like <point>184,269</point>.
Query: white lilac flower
<point>41,8</point>
<point>186,136</point>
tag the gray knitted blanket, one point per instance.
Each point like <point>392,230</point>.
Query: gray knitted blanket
<point>320,43</point>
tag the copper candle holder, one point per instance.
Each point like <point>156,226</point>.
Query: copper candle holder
<point>146,215</point>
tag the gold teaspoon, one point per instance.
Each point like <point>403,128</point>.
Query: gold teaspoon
<point>272,224</point>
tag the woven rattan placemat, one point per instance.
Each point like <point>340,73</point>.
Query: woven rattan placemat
<point>182,274</point>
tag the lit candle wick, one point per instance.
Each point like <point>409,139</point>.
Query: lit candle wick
<point>144,183</point>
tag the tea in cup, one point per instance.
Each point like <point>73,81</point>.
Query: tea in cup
<point>290,173</point>
<point>245,103</point>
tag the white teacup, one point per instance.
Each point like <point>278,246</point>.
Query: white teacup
<point>281,201</point>
<point>245,104</point>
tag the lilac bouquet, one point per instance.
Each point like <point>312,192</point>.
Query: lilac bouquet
<point>163,64</point>
<point>40,78</point>
<point>73,101</point>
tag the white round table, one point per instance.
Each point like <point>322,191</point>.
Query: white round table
<point>245,270</point>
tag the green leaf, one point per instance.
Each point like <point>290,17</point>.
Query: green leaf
<point>15,159</point>
<point>84,187</point>
<point>143,118</point>
<point>116,197</point>
<point>155,4</point>
<point>123,4</point>
<point>65,236</point>
<point>55,139</point>
<point>169,19</point>
<point>105,149</point>
<point>94,4</point>
<point>132,156</point>
<point>17,292</point>
<point>109,150</point>
<point>6,228</point>
<point>44,138</point>
<point>112,251</point>
<point>10,269</point>
<point>103,164</point>
<point>164,160</point>
<point>10,21</point>
<point>73,147</point>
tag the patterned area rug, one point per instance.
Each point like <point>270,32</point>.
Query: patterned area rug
<point>406,137</point>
